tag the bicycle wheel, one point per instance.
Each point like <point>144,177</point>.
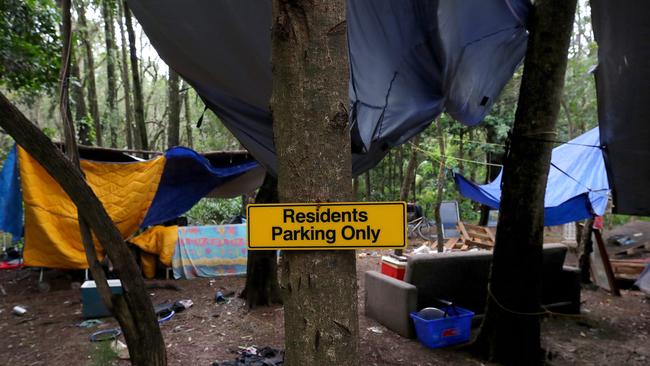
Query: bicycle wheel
<point>426,231</point>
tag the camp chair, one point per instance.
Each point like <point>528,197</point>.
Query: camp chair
<point>450,217</point>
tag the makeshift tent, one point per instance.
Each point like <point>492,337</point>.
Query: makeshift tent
<point>409,61</point>
<point>577,185</point>
<point>622,31</point>
<point>134,193</point>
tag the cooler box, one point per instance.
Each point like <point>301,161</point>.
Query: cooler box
<point>393,267</point>
<point>92,304</point>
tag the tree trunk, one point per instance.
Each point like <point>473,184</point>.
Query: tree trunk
<point>174,98</point>
<point>126,82</point>
<point>440,184</point>
<point>111,88</point>
<point>311,129</point>
<point>409,177</point>
<point>262,288</point>
<point>90,71</point>
<point>188,117</point>
<point>510,332</point>
<point>368,187</point>
<point>491,171</point>
<point>81,112</point>
<point>141,140</point>
<point>585,248</point>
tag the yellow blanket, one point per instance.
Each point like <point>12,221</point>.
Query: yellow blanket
<point>157,242</point>
<point>52,237</point>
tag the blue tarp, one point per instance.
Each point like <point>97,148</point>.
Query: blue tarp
<point>410,60</point>
<point>11,199</point>
<point>186,178</point>
<point>577,185</point>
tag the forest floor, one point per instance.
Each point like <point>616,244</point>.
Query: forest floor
<point>610,331</point>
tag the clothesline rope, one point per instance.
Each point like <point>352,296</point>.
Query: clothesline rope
<point>438,157</point>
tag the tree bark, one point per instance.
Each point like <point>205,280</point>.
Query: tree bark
<point>440,184</point>
<point>188,117</point>
<point>491,171</point>
<point>409,177</point>
<point>174,100</point>
<point>126,82</point>
<point>81,112</point>
<point>111,88</point>
<point>585,248</point>
<point>90,71</point>
<point>368,187</point>
<point>262,287</point>
<point>310,124</point>
<point>510,332</point>
<point>141,139</point>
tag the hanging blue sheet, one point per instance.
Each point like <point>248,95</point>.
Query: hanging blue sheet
<point>186,178</point>
<point>577,185</point>
<point>11,198</point>
<point>410,60</point>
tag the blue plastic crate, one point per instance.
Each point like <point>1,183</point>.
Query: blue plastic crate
<point>453,329</point>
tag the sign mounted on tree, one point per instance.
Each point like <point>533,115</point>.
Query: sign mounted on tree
<point>331,225</point>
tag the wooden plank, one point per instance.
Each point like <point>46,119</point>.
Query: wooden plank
<point>600,251</point>
<point>463,231</point>
<point>451,243</point>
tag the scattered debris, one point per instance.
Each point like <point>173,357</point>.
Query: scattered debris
<point>120,349</point>
<point>377,330</point>
<point>219,298</point>
<point>19,310</point>
<point>90,323</point>
<point>252,356</point>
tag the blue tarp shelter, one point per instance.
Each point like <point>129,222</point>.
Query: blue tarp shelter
<point>410,60</point>
<point>577,185</point>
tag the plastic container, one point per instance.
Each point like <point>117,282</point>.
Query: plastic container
<point>453,329</point>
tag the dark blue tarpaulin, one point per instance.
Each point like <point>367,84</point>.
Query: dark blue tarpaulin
<point>186,178</point>
<point>410,60</point>
<point>11,199</point>
<point>577,185</point>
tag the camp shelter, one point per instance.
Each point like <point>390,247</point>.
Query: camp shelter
<point>577,185</point>
<point>136,193</point>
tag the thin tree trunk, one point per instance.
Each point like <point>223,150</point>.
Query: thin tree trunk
<point>461,151</point>
<point>128,106</point>
<point>471,156</point>
<point>111,87</point>
<point>585,248</point>
<point>90,71</point>
<point>440,183</point>
<point>311,130</point>
<point>141,140</point>
<point>188,118</point>
<point>262,287</point>
<point>174,98</point>
<point>510,332</point>
<point>368,187</point>
<point>491,171</point>
<point>409,177</point>
<point>81,112</point>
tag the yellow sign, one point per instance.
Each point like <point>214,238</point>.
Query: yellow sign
<point>331,225</point>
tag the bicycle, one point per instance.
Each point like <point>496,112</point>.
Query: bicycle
<point>421,227</point>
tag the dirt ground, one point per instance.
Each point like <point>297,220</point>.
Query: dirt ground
<point>611,330</point>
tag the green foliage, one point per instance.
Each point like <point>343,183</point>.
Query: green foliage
<point>214,211</point>
<point>30,48</point>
